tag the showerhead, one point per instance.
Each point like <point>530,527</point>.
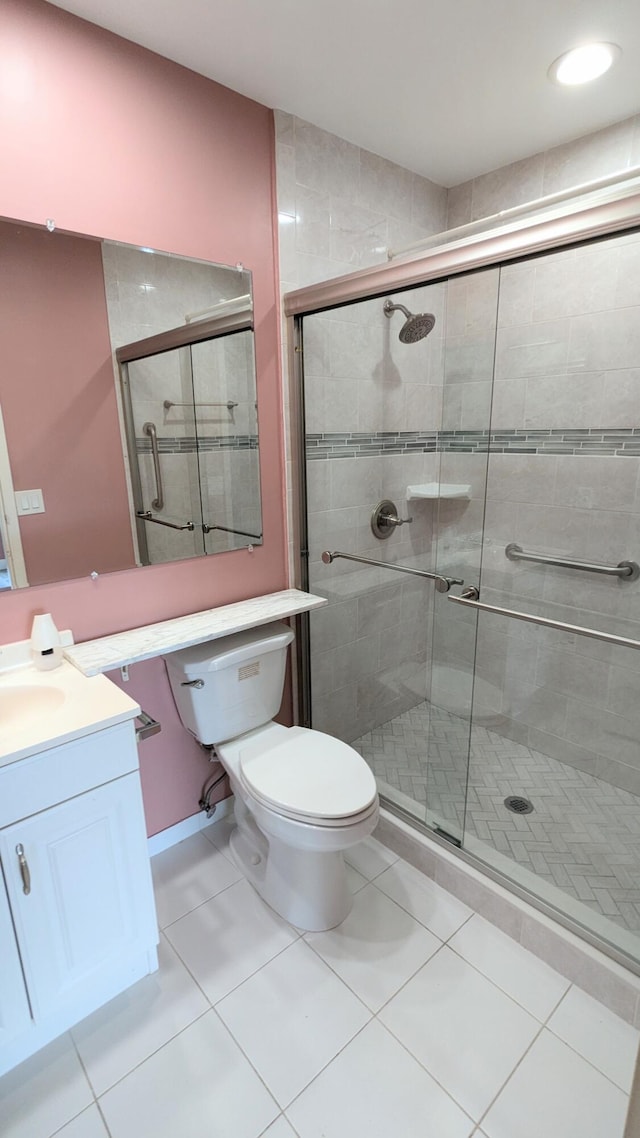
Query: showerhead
<point>415,327</point>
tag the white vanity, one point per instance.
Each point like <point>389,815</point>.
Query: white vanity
<point>77,915</point>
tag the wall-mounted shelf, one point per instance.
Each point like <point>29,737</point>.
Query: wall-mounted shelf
<point>123,648</point>
<point>433,490</point>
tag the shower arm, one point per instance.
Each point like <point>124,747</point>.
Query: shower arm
<point>443,584</point>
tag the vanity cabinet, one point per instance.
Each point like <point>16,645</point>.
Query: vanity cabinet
<point>77,917</point>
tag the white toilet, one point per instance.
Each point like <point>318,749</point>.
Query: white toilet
<point>301,797</point>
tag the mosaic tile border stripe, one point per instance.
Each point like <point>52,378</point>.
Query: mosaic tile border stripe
<point>189,444</point>
<point>623,441</point>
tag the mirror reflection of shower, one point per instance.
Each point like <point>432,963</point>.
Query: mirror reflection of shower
<point>415,327</point>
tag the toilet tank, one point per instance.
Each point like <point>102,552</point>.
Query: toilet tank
<point>243,679</point>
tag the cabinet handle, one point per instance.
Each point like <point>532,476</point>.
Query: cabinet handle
<point>24,869</point>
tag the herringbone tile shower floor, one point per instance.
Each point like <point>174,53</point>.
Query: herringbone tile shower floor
<point>583,836</point>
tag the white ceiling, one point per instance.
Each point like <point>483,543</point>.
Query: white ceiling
<point>448,88</point>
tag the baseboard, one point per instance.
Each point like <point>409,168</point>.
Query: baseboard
<point>164,839</point>
<point>586,966</point>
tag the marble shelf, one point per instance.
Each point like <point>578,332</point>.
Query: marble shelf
<point>117,651</point>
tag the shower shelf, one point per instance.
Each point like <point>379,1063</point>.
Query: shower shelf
<point>433,490</point>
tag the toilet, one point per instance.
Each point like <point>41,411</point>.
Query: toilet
<point>301,797</point>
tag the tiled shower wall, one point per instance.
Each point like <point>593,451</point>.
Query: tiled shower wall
<point>317,242</point>
<point>564,414</point>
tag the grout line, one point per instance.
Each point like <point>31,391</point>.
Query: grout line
<point>155,1051</point>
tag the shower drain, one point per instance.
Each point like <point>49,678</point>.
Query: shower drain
<point>518,805</point>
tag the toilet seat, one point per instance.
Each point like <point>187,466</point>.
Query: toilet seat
<point>309,777</point>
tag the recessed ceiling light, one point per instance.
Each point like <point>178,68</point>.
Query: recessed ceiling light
<point>583,63</point>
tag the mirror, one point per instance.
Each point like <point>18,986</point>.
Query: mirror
<point>128,397</point>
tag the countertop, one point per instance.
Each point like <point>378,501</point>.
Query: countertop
<point>55,707</point>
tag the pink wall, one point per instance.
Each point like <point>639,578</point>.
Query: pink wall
<point>109,139</point>
<point>59,401</point>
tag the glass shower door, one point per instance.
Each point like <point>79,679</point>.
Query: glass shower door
<point>471,306</point>
<point>553,794</point>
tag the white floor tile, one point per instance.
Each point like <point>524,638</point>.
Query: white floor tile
<point>280,1129</point>
<point>377,948</point>
<point>292,1018</point>
<point>554,1092</point>
<point>370,858</point>
<point>89,1124</point>
<point>355,880</point>
<point>464,1030</point>
<point>43,1093</point>
<point>219,833</point>
<point>198,1085</point>
<point>227,939</point>
<point>598,1035</point>
<point>130,1028</point>
<point>186,875</point>
<point>523,976</point>
<point>427,902</point>
<point>375,1089</point>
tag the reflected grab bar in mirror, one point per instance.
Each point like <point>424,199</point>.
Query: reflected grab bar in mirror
<point>443,584</point>
<point>469,599</point>
<point>150,430</point>
<point>168,404</point>
<point>625,570</point>
<point>227,529</point>
<point>147,516</point>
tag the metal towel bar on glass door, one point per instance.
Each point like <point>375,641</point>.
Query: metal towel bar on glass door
<point>469,599</point>
<point>443,584</point>
<point>625,570</point>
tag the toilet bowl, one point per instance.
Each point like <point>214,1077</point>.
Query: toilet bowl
<point>301,797</point>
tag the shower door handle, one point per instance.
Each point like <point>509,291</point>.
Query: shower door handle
<point>469,599</point>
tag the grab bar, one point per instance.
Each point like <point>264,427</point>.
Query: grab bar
<point>150,430</point>
<point>147,516</point>
<point>469,599</point>
<point>443,584</point>
<point>242,532</point>
<point>626,570</point>
<point>168,404</point>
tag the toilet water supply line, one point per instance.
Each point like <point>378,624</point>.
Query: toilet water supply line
<point>204,801</point>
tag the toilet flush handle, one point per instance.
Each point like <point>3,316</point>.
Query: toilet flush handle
<point>192,684</point>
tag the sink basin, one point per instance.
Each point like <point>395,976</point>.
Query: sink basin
<point>24,702</point>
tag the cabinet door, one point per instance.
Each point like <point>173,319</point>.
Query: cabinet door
<point>14,1006</point>
<point>87,902</point>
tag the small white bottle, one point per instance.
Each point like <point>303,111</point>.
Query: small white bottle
<point>46,649</point>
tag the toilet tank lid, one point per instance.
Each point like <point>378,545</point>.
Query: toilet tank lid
<point>227,651</point>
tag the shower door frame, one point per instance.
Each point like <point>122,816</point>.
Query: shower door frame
<point>605,213</point>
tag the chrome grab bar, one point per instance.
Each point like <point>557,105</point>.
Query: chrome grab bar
<point>150,430</point>
<point>147,516</point>
<point>469,599</point>
<point>626,570</point>
<point>226,529</point>
<point>443,584</point>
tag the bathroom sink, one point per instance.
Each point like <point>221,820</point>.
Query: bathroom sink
<point>20,702</point>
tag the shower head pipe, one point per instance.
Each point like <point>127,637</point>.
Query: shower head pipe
<point>416,325</point>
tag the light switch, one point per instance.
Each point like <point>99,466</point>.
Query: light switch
<point>29,502</point>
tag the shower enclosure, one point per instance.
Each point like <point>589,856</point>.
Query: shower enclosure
<point>482,651</point>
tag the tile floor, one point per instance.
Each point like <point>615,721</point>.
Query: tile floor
<point>583,836</point>
<point>414,1019</point>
